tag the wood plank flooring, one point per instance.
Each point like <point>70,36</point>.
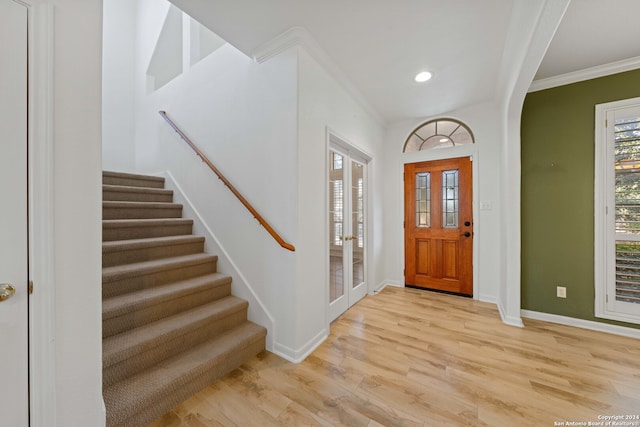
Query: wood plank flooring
<point>407,357</point>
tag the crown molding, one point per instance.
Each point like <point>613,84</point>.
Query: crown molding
<point>295,36</point>
<point>300,37</point>
<point>586,74</point>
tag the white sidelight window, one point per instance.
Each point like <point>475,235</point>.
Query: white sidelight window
<point>617,210</point>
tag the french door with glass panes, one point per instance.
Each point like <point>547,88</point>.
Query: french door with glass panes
<point>347,231</point>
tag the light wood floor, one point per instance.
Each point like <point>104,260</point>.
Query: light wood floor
<point>413,358</point>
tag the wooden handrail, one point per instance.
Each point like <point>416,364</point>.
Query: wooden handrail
<point>226,182</point>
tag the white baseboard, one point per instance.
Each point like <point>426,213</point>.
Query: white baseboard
<point>508,320</point>
<point>386,283</point>
<point>581,323</point>
<point>297,356</point>
<point>488,298</point>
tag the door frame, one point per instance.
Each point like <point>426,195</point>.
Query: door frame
<point>444,154</point>
<point>334,139</point>
<point>42,364</point>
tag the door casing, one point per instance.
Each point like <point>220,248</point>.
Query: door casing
<point>14,268</point>
<point>42,355</point>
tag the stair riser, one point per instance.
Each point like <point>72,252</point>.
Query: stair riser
<point>147,254</point>
<point>164,309</point>
<point>141,213</point>
<point>168,399</point>
<point>118,287</point>
<point>132,182</point>
<point>121,196</point>
<point>194,335</point>
<point>127,233</point>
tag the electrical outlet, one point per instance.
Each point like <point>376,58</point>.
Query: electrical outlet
<point>561,292</point>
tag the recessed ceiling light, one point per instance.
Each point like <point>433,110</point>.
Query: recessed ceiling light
<point>444,139</point>
<point>423,76</point>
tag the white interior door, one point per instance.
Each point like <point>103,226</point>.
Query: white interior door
<point>14,399</point>
<point>347,231</point>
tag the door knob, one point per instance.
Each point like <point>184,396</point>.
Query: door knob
<point>6,291</point>
<point>466,234</point>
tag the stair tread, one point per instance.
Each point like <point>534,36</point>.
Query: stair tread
<point>119,347</point>
<point>133,189</point>
<point>149,386</point>
<point>150,242</point>
<point>143,222</point>
<point>145,205</point>
<point>176,328</point>
<point>132,176</point>
<point>125,271</point>
<point>123,304</point>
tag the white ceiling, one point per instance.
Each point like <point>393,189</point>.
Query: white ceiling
<point>593,32</point>
<point>379,45</point>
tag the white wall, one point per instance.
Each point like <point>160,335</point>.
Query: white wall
<point>264,125</point>
<point>77,205</point>
<point>532,26</point>
<point>484,122</point>
<point>243,116</point>
<point>496,127</point>
<point>323,103</point>
<point>118,89</point>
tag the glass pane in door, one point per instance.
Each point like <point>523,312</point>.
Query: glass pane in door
<point>627,213</point>
<point>423,199</point>
<point>450,199</point>
<point>336,216</point>
<point>357,223</point>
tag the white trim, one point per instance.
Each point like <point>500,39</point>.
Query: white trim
<point>41,175</point>
<point>300,37</point>
<point>384,284</point>
<point>488,298</point>
<point>600,204</point>
<point>586,74</point>
<point>213,245</point>
<point>344,144</point>
<point>378,288</point>
<point>581,323</point>
<point>512,321</point>
<point>509,320</point>
<point>297,356</point>
<point>604,207</point>
<point>295,36</point>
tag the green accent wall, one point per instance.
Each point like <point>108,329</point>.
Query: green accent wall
<point>558,193</point>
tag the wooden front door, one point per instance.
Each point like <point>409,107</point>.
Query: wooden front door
<point>439,225</point>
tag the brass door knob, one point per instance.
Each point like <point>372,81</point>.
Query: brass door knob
<point>6,291</point>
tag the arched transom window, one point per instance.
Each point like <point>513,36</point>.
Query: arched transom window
<point>439,133</point>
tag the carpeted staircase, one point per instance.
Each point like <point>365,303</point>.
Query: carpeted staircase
<point>170,326</point>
